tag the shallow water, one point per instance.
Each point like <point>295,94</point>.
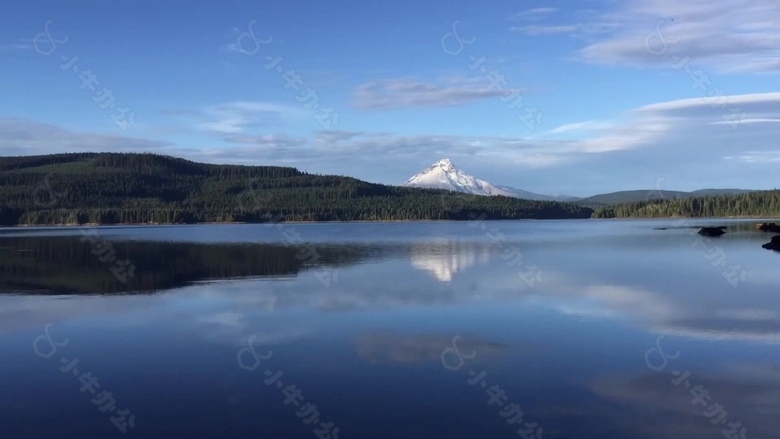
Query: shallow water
<point>391,330</point>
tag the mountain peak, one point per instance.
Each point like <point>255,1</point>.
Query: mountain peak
<point>445,164</point>
<point>444,175</point>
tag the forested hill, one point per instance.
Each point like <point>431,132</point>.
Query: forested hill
<point>108,188</point>
<point>636,196</point>
<point>754,204</point>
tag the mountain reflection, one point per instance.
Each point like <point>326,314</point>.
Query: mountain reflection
<point>62,264</point>
<point>445,260</point>
<point>382,275</point>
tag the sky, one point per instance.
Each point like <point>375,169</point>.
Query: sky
<point>557,97</point>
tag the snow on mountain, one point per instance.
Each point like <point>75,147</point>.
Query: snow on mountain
<point>444,175</point>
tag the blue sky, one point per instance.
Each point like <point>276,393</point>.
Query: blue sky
<point>614,95</point>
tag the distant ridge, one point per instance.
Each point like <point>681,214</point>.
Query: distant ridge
<point>620,197</point>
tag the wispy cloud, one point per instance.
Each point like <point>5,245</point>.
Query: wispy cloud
<point>735,36</point>
<point>756,157</point>
<point>25,137</point>
<point>763,101</point>
<point>232,47</point>
<point>747,121</point>
<point>237,117</point>
<point>16,46</point>
<point>590,125</point>
<point>406,93</point>
<point>534,13</point>
<point>269,141</point>
<point>545,30</point>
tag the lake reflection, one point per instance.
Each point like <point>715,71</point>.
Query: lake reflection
<point>372,347</point>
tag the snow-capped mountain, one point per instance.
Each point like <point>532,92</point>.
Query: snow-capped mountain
<point>444,175</point>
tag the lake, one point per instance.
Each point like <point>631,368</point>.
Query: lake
<point>555,329</point>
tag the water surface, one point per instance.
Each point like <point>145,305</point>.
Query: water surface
<point>391,330</point>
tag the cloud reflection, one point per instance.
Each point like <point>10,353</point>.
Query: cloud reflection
<point>751,396</point>
<point>396,348</point>
<point>390,275</point>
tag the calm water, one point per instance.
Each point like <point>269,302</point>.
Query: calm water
<point>392,330</point>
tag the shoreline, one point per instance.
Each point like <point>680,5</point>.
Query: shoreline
<point>68,225</point>
<point>280,222</point>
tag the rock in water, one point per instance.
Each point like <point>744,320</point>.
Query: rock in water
<point>774,244</point>
<point>712,231</point>
<point>768,227</point>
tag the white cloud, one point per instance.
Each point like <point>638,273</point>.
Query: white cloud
<point>729,35</point>
<point>404,93</point>
<point>686,141</point>
<point>676,139</point>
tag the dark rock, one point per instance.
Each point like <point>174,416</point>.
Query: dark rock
<point>774,244</point>
<point>768,227</point>
<point>712,231</point>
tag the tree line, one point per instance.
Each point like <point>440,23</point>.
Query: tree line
<point>753,204</point>
<point>112,188</point>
